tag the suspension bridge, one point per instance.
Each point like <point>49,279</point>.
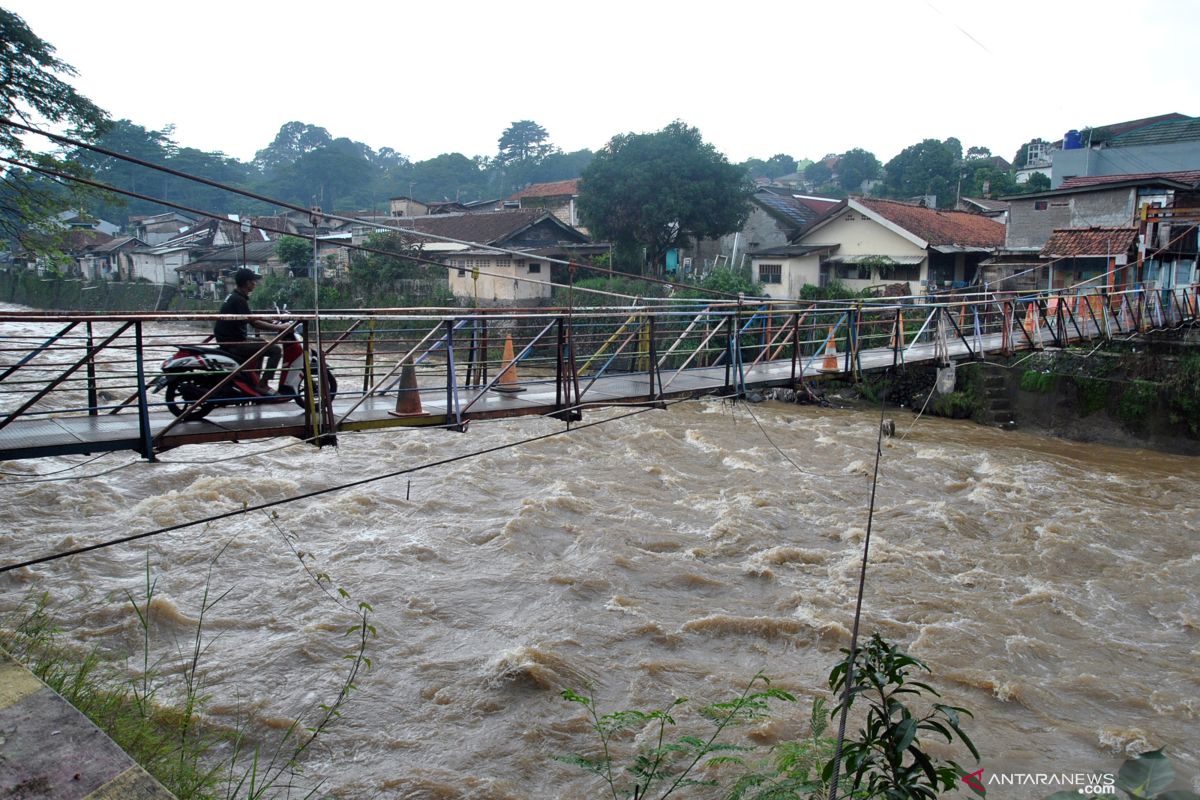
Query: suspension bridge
<point>82,384</point>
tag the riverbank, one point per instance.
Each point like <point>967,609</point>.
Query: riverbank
<point>1118,394</point>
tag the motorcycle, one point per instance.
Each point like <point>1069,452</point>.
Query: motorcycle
<point>195,369</point>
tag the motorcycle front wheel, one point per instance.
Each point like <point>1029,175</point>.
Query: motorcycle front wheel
<point>302,391</point>
<point>180,392</point>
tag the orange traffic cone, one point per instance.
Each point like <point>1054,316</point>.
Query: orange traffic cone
<point>1031,320</point>
<point>830,362</point>
<point>507,382</point>
<point>408,398</point>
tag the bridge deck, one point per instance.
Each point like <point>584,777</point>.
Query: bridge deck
<point>83,434</point>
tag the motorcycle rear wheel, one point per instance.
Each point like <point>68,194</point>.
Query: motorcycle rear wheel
<point>177,395</point>
<point>302,391</point>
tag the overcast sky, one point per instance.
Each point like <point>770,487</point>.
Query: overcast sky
<point>757,78</point>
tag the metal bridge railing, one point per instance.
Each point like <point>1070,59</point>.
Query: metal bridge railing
<point>67,366</point>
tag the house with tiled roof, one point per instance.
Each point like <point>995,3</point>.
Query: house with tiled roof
<point>516,271</point>
<point>1167,143</point>
<point>1097,203</point>
<point>560,198</point>
<point>1079,256</point>
<point>865,242</point>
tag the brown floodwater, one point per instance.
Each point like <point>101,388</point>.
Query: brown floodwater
<point>1052,587</point>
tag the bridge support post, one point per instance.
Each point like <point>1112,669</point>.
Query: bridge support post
<point>93,399</point>
<point>795,344</point>
<point>142,405</point>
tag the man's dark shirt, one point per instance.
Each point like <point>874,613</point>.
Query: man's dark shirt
<point>232,330</point>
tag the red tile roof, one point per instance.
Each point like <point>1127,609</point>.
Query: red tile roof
<point>1187,176</point>
<point>555,189</point>
<point>488,227</point>
<point>1068,242</point>
<point>960,228</point>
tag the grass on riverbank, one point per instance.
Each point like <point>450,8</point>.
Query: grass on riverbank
<point>157,712</point>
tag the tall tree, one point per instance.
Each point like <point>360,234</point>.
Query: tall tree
<point>856,166</point>
<point>779,165</point>
<point>660,190</point>
<point>31,90</point>
<point>293,140</point>
<point>523,146</point>
<point>927,167</point>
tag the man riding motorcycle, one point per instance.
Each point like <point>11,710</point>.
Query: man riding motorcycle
<point>236,337</point>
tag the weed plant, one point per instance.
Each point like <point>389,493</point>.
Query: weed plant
<point>886,758</point>
<point>158,716</point>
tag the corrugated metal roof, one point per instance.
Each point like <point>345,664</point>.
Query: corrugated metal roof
<point>859,259</point>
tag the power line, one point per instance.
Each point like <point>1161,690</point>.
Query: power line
<point>221,217</point>
<point>325,491</point>
<point>308,211</point>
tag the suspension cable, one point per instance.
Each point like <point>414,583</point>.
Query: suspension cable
<point>327,490</point>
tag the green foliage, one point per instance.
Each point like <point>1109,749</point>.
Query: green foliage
<point>792,769</point>
<point>1137,403</point>
<point>1184,383</point>
<point>297,253</point>
<point>667,764</point>
<point>1033,380</point>
<point>195,758</point>
<point>296,293</point>
<point>856,166</point>
<point>818,172</point>
<point>928,167</point>
<point>522,147</point>
<point>659,190</point>
<point>32,90</point>
<point>627,286</point>
<point>1092,394</point>
<point>724,280</point>
<point>886,757</point>
<point>956,405</point>
<point>377,269</point>
<point>1144,777</point>
<point>834,290</point>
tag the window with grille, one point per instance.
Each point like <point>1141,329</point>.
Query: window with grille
<point>770,273</point>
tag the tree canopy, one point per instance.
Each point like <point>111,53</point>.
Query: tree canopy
<point>856,166</point>
<point>31,90</point>
<point>927,167</point>
<point>660,190</point>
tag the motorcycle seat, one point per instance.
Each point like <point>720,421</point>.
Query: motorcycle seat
<point>203,350</point>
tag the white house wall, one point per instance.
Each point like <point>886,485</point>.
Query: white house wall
<point>507,283</point>
<point>859,235</point>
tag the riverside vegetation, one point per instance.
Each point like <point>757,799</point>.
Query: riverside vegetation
<point>156,711</point>
<point>886,758</point>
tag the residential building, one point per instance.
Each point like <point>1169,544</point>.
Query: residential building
<point>996,209</point>
<point>159,228</point>
<point>460,240</point>
<point>863,243</point>
<point>163,263</point>
<point>1101,203</point>
<point>78,220</point>
<point>111,260</point>
<point>1082,256</point>
<point>1166,143</point>
<point>777,216</point>
<point>560,198</point>
<point>208,274</point>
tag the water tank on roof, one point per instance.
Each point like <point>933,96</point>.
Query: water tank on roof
<point>1072,140</point>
